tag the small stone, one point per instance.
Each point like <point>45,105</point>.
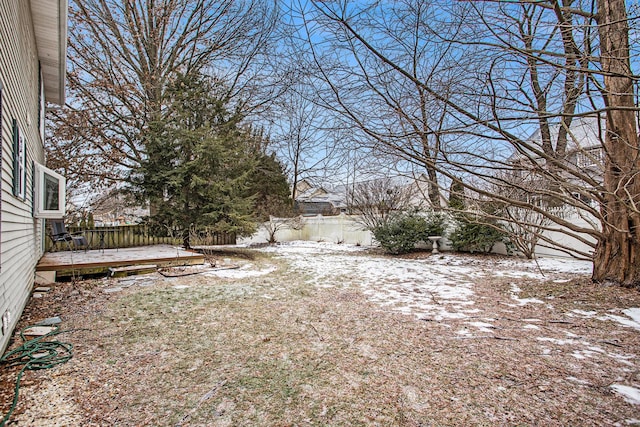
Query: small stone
<point>39,355</point>
<point>42,289</point>
<point>50,321</point>
<point>112,290</point>
<point>146,283</point>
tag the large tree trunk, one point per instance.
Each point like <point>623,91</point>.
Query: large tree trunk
<point>434,189</point>
<point>617,256</point>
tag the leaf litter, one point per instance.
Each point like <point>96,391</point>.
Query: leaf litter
<point>322,334</point>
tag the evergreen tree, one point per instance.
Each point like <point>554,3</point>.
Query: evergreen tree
<point>456,195</point>
<point>270,189</point>
<point>198,167</point>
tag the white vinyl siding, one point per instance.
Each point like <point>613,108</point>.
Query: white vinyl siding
<point>21,237</point>
<point>591,157</point>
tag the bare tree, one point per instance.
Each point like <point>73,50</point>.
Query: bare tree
<point>522,66</point>
<point>392,113</point>
<point>304,136</point>
<point>617,256</point>
<point>378,201</point>
<point>275,224</point>
<point>525,227</point>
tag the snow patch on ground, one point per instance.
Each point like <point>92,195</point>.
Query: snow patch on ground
<point>564,265</point>
<point>578,381</point>
<point>585,314</point>
<point>436,288</point>
<point>557,341</point>
<point>483,326</point>
<point>632,321</point>
<point>441,287</point>
<point>240,273</point>
<point>634,313</point>
<point>522,301</point>
<point>630,394</point>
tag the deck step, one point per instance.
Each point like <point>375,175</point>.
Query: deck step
<point>38,331</point>
<point>132,270</point>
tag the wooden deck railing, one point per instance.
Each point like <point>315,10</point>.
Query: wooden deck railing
<point>126,236</point>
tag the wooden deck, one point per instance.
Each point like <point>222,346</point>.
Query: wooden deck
<point>67,264</point>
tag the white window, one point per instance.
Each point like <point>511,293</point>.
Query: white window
<point>19,163</point>
<point>49,193</point>
<point>590,157</point>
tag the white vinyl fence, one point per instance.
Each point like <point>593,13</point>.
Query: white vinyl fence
<point>345,229</point>
<point>336,229</point>
<point>578,219</point>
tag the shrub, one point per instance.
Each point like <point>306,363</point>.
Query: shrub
<point>436,224</point>
<point>401,234</point>
<point>472,236</point>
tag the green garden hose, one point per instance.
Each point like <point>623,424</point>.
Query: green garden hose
<point>35,354</point>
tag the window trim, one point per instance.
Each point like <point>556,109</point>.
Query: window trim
<point>40,209</point>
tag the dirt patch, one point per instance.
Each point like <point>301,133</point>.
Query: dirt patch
<point>277,349</point>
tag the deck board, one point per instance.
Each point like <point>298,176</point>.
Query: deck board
<point>99,261</point>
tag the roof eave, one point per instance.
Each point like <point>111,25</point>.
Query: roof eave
<point>50,27</point>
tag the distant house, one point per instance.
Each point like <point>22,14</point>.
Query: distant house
<point>109,210</point>
<point>33,35</point>
<point>584,153</point>
<point>584,162</point>
<point>312,200</point>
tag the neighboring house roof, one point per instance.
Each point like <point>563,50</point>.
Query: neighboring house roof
<point>585,133</point>
<point>50,27</point>
<point>321,195</point>
<point>338,196</point>
<point>303,186</point>
<point>112,207</point>
<point>584,146</point>
<point>316,208</point>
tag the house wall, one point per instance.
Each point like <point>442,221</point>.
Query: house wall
<point>21,235</point>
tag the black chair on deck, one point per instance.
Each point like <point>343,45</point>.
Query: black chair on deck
<point>59,234</point>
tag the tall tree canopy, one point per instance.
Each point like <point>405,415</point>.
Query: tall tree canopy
<point>203,168</point>
<point>123,54</point>
<point>454,89</point>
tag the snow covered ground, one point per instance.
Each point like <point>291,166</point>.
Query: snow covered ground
<point>437,287</point>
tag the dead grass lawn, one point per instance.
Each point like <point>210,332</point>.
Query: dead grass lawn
<point>274,351</point>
